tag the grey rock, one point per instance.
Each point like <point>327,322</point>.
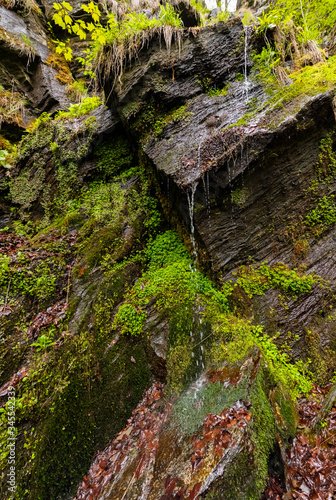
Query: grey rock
<point>214,13</point>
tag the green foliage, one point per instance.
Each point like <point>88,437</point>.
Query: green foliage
<point>174,116</point>
<point>3,158</point>
<point>310,80</point>
<point>314,17</point>
<point>170,282</point>
<point>212,90</point>
<point>87,105</point>
<point>324,214</point>
<point>267,20</point>
<point>202,12</point>
<point>129,320</point>
<point>222,16</point>
<point>77,91</point>
<point>166,249</point>
<point>27,41</point>
<point>295,377</point>
<point>264,64</point>
<point>169,17</point>
<point>257,280</point>
<point>114,156</point>
<point>123,34</point>
<point>43,343</point>
<point>240,196</point>
<point>326,165</point>
<point>20,278</point>
<point>233,339</point>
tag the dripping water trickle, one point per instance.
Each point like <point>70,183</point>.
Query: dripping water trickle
<point>191,202</point>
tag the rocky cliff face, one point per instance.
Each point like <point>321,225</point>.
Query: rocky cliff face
<point>228,167</point>
<point>169,253</point>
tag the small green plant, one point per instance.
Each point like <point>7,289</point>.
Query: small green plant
<point>114,156</point>
<point>27,41</point>
<point>77,91</point>
<point>130,320</point>
<point>202,13</point>
<point>169,283</point>
<point>266,21</point>
<point>3,158</point>
<point>294,376</point>
<point>265,63</point>
<point>43,343</point>
<point>19,278</point>
<point>87,105</point>
<point>121,37</point>
<point>175,116</point>
<point>324,214</point>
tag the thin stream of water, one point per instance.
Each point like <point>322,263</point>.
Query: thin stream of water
<point>191,203</point>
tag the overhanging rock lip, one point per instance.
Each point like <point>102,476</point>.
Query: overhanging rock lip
<point>241,137</point>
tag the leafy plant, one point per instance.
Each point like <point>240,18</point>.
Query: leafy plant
<point>122,36</point>
<point>87,105</point>
<point>294,376</point>
<point>324,214</point>
<point>3,158</point>
<point>43,343</point>
<point>266,21</point>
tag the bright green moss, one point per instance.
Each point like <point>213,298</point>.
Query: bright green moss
<point>174,116</point>
<point>27,280</point>
<point>257,280</point>
<point>262,436</point>
<point>171,281</point>
<point>323,215</point>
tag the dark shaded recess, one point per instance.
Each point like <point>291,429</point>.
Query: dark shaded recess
<point>187,14</point>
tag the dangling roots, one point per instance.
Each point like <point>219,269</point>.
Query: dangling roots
<point>112,60</point>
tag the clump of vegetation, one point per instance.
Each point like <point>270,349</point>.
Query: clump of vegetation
<point>23,45</point>
<point>84,107</point>
<point>174,116</point>
<point>12,107</point>
<point>257,280</point>
<point>20,278</point>
<point>114,156</point>
<point>58,61</point>
<point>77,91</point>
<point>4,158</point>
<point>118,41</point>
<point>323,215</point>
<point>326,165</point>
<point>171,282</point>
<point>212,90</point>
<point>313,17</point>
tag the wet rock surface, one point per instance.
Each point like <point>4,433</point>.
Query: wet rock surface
<point>242,176</point>
<point>24,65</point>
